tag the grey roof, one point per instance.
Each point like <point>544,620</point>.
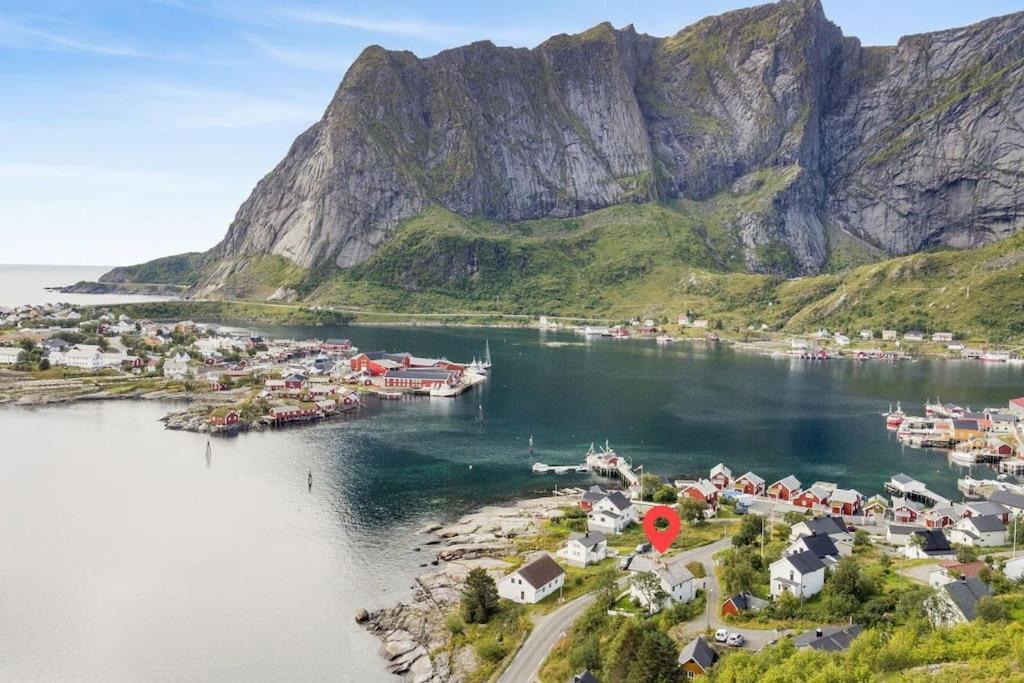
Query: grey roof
<point>988,507</point>
<point>752,478</point>
<point>966,593</point>
<point>1008,499</point>
<point>541,571</point>
<point>746,601</point>
<point>985,523</point>
<point>832,638</point>
<point>618,500</point>
<point>805,562</point>
<point>700,652</point>
<point>591,539</point>
<point>821,546</point>
<point>901,478</point>
<point>672,573</point>
<point>934,541</point>
<point>825,525</point>
<point>419,373</point>
<point>789,481</point>
<point>901,529</point>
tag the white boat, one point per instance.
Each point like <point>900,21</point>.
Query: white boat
<point>963,457</point>
<point>444,392</point>
<point>664,339</point>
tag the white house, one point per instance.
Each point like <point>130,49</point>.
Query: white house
<point>9,354</point>
<point>532,582</point>
<point>898,534</point>
<point>677,581</point>
<point>589,549</point>
<point>82,356</point>
<point>979,530</point>
<point>957,602</point>
<point>1014,568</point>
<point>888,335</point>
<point>942,337</point>
<point>801,574</point>
<point>611,514</point>
<point>833,527</point>
<point>176,367</point>
<point>822,546</point>
<point>866,334</point>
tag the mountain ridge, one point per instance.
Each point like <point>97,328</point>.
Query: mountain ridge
<point>894,149</point>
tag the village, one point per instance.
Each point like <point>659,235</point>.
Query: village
<point>234,380</point>
<point>757,565</point>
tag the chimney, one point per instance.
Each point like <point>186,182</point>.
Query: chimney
<point>818,632</point>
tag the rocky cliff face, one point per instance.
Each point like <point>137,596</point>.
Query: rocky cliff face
<point>903,147</point>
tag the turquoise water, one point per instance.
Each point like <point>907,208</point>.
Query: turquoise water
<point>125,557</point>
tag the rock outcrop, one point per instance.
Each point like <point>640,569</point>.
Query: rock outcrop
<point>903,147</point>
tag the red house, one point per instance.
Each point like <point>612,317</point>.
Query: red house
<point>939,518</point>
<point>721,476</point>
<point>702,490</point>
<point>906,511</point>
<point>812,497</point>
<point>749,483</point>
<point>845,502</point>
<point>226,420</point>
<point>784,489</point>
<point>377,362</point>
<point>294,382</point>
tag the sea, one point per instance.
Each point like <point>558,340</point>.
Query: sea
<point>26,284</point>
<point>125,555</point>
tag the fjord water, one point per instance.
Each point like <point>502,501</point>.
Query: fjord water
<point>123,556</point>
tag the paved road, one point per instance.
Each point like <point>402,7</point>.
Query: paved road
<point>754,639</point>
<point>549,629</point>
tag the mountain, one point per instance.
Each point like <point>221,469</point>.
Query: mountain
<point>761,140</point>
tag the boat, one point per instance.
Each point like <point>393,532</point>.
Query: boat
<point>712,337</point>
<point>541,468</point>
<point>961,457</point>
<point>895,417</point>
<point>664,339</point>
<point>620,333</point>
<point>444,392</point>
<point>389,395</point>
<point>486,362</point>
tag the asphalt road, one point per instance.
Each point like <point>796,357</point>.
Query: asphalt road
<point>549,629</point>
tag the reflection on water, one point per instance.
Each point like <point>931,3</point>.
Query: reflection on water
<point>125,556</point>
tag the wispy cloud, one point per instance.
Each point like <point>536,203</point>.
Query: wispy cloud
<point>25,37</point>
<point>303,59</point>
<point>190,107</point>
<point>418,29</point>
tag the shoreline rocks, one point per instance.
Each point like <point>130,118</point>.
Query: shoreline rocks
<point>415,640</point>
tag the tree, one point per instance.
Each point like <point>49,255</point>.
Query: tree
<point>848,587</point>
<point>649,483</point>
<point>44,364</point>
<point>648,585</point>
<point>606,587</point>
<point>741,571</point>
<point>966,553</point>
<point>990,609</point>
<point>480,598</point>
<point>656,658</point>
<point>861,538</point>
<point>666,495</point>
<point>621,651</point>
<point>786,606</point>
<point>692,510</point>
<point>749,532</point>
<point>793,517</point>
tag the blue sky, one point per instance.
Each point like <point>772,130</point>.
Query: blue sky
<point>132,129</point>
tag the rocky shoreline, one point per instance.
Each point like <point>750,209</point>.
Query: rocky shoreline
<point>87,287</point>
<point>414,636</point>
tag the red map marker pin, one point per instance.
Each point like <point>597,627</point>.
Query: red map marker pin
<point>661,539</point>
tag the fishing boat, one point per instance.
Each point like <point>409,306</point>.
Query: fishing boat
<point>444,392</point>
<point>895,417</point>
<point>664,339</point>
<point>961,457</point>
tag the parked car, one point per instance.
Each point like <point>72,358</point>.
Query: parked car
<point>625,560</point>
<point>721,635</point>
<point>643,548</point>
<point>734,639</point>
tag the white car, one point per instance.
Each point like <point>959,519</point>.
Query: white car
<point>721,635</point>
<point>734,640</point>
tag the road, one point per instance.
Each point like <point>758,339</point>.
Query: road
<point>754,640</point>
<point>549,629</point>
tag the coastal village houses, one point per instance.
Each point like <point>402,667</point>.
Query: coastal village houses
<point>720,476</point>
<point>532,582</point>
<point>586,550</point>
<point>697,658</point>
<point>801,574</point>
<point>9,354</point>
<point>677,582</point>
<point>611,514</point>
<point>785,489</point>
<point>701,490</point>
<point>979,530</point>
<point>749,483</point>
<point>957,601</point>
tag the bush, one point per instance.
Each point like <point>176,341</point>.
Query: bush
<point>490,650</point>
<point>455,624</point>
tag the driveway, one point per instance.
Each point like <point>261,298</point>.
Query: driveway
<point>552,627</point>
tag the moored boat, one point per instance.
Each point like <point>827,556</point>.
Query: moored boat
<point>664,339</point>
<point>895,417</point>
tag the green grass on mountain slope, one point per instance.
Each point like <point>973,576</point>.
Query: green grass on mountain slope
<point>180,269</point>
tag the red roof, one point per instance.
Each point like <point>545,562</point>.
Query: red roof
<point>1018,401</point>
<point>965,568</point>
